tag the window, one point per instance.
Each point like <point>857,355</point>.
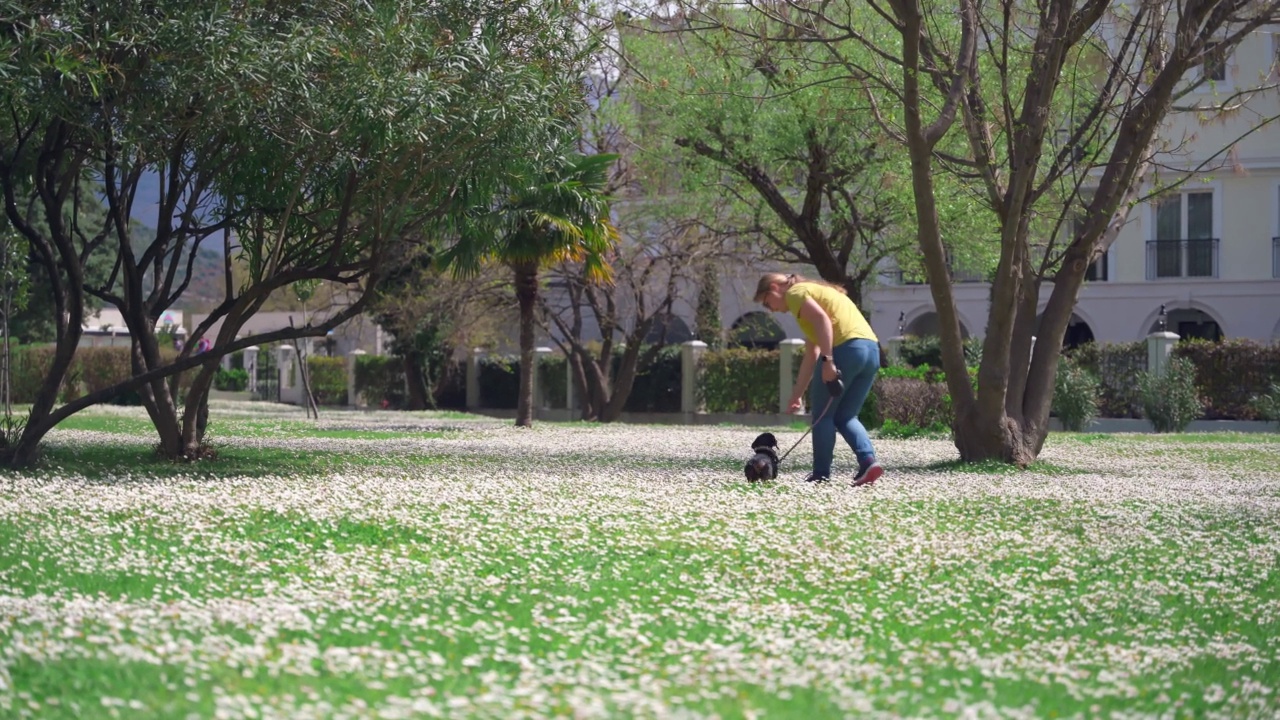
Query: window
<point>1275,241</point>
<point>1275,54</point>
<point>1098,269</point>
<point>1215,63</point>
<point>1184,244</point>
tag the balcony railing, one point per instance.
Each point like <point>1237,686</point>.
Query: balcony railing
<point>1097,271</point>
<point>1182,258</point>
<point>902,277</point>
<point>1275,257</point>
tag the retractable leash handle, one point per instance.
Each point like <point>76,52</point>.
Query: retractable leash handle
<point>835,388</point>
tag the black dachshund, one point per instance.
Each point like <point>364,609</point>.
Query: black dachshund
<point>764,464</point>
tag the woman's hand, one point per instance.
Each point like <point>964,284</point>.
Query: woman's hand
<point>795,404</point>
<point>829,371</point>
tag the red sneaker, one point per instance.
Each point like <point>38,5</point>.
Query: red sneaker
<point>868,474</point>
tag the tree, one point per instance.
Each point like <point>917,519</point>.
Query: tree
<point>33,321</point>
<point>1063,107</point>
<point>707,312</point>
<point>430,316</point>
<point>311,138</point>
<point>770,123</point>
<point>560,214</point>
<point>657,264</point>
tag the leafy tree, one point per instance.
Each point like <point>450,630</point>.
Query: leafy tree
<point>657,264</point>
<point>560,214</point>
<point>33,321</point>
<point>311,138</point>
<point>771,124</point>
<point>1062,107</point>
<point>707,312</point>
<point>430,316</point>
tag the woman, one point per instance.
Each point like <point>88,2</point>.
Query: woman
<point>840,341</point>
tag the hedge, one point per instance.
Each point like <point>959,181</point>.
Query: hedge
<point>1118,367</point>
<point>1230,374</point>
<point>499,381</point>
<point>380,380</point>
<point>328,379</point>
<point>657,386</point>
<point>739,380</point>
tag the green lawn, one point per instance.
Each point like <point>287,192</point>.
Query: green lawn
<point>416,565</point>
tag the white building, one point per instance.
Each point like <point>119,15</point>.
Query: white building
<point>106,328</point>
<point>1208,252</point>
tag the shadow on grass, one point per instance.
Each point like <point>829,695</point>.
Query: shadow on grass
<point>112,462</point>
<point>991,467</point>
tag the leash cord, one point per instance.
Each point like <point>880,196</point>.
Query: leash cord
<point>811,427</point>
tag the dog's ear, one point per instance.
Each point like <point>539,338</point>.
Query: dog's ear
<point>764,440</point>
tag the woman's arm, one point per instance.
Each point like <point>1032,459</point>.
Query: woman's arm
<point>807,360</point>
<point>824,335</point>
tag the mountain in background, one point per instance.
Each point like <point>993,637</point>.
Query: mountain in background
<point>207,286</point>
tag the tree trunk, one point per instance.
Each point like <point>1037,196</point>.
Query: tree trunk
<point>195,415</point>
<point>156,398</point>
<point>25,450</point>
<point>527,294</point>
<point>627,370</point>
<point>579,360</point>
<point>998,437</point>
<point>416,380</point>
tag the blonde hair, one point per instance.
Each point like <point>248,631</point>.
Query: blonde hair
<point>786,281</point>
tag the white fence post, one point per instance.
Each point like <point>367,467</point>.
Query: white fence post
<point>473,378</point>
<point>288,370</point>
<point>893,348</point>
<point>251,367</point>
<point>690,369</point>
<point>540,354</point>
<point>1160,351</point>
<point>787,365</point>
<point>354,399</point>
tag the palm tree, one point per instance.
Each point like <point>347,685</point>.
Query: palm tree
<point>561,216</point>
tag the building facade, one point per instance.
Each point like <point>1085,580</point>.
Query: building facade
<point>1206,252</point>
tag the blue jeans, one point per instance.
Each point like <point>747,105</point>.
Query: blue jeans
<point>859,361</point>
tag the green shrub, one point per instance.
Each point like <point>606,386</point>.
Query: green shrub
<point>380,379</point>
<point>1230,374</point>
<point>1118,367</point>
<point>904,431</point>
<point>1075,396</point>
<point>101,367</point>
<point>553,378</point>
<point>328,380</point>
<point>870,415</point>
<point>739,380</point>
<point>1170,400</point>
<point>912,401</point>
<point>1267,405</point>
<point>657,384</point>
<point>233,380</point>
<point>499,382</point>
<point>927,351</point>
<point>450,389</point>
<point>28,366</point>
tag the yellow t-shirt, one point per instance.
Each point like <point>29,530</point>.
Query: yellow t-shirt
<point>847,322</point>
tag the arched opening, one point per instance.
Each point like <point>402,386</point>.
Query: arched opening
<point>1077,333</point>
<point>671,330</point>
<point>756,330</point>
<point>927,326</point>
<point>1189,323</point>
